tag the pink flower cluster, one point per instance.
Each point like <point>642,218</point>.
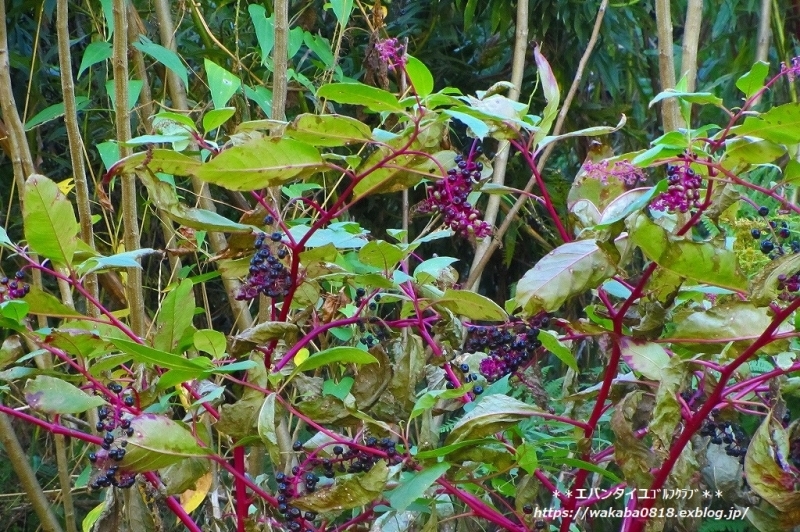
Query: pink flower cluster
<point>449,196</point>
<point>391,52</point>
<point>622,170</point>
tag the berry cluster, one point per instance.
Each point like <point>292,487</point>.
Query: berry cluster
<point>683,192</point>
<point>305,477</point>
<point>107,459</point>
<point>508,348</point>
<point>13,288</point>
<point>377,333</point>
<point>725,432</point>
<point>775,237</point>
<point>449,196</point>
<point>468,377</point>
<point>268,275</point>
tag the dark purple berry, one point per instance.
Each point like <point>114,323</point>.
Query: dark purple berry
<point>763,211</point>
<point>767,246</point>
<point>756,233</point>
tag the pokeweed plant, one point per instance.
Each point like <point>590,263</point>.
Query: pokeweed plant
<point>374,390</point>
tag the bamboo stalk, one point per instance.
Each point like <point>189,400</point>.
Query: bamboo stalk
<point>764,35</point>
<point>130,218</point>
<point>76,146</point>
<point>670,112</point>
<point>691,39</point>
<point>19,461</point>
<point>501,159</point>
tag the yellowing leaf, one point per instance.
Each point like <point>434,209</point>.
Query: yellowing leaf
<point>66,186</point>
<point>191,499</point>
<point>301,356</point>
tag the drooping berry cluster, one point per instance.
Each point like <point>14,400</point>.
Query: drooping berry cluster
<point>683,191</point>
<point>729,434</point>
<point>267,275</point>
<point>449,196</point>
<point>468,377</point>
<point>115,429</point>
<point>509,348</point>
<point>375,333</point>
<point>774,237</point>
<point>13,288</point>
<point>305,477</point>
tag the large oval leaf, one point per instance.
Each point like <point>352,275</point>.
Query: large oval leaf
<point>493,414</point>
<point>56,396</point>
<point>472,305</point>
<point>701,261</point>
<point>261,163</point>
<point>328,130</point>
<point>340,354</point>
<point>568,270</point>
<point>157,442</point>
<point>50,224</point>
<point>372,98</point>
<point>350,491</point>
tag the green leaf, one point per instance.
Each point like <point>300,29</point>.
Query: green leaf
<point>767,467</point>
<point>340,355</point>
<point>568,270</point>
<point>126,259</point>
<point>216,117</point>
<point>222,83</point>
<point>340,389</point>
<point>629,202</point>
<point>743,151</point>
<point>372,98</point>
<point>267,428</point>
<point>419,75</point>
<point>552,95</point>
<point>701,261</point>
<point>134,89</point>
<point>342,10</point>
<point>265,30</point>
<point>157,442</point>
<point>50,224</point>
<point>691,97</point>
<point>52,395</point>
<point>527,458</point>
<point>96,52</point>
<point>381,254</point>
<point>174,317</point>
<point>415,485</point>
<point>4,240</point>
<point>155,357</point>
<point>210,341</point>
<point>753,81</point>
<point>54,111</point>
<point>430,398</point>
<point>260,163</point>
<point>491,415</point>
<point>14,310</point>
<point>471,305</point>
<point>587,132</point>
<point>430,270</point>
<point>554,345</point>
<point>328,130</point>
<point>349,491</point>
<point>478,127</point>
<point>42,303</point>
<point>737,322</point>
<point>647,358</point>
<point>165,56</point>
<point>781,124</point>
